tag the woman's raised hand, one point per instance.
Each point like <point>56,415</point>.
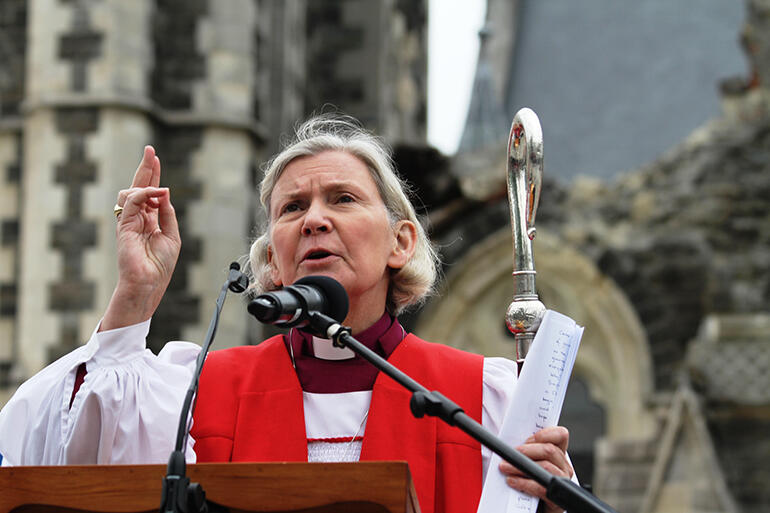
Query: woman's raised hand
<point>148,246</point>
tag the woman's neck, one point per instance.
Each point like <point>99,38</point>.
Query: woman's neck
<point>360,319</point>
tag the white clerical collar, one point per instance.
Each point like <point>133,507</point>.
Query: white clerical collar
<point>324,349</point>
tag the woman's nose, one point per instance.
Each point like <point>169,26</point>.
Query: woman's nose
<point>316,220</point>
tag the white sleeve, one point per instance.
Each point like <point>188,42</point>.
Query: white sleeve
<point>500,376</point>
<point>125,412</point>
<point>499,382</point>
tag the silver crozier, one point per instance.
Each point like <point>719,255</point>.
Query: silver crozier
<point>525,177</point>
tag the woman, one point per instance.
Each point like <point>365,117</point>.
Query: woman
<point>334,206</point>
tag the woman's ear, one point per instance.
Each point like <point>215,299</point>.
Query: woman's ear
<point>405,233</point>
<point>275,274</point>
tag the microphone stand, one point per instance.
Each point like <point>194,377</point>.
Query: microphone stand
<point>179,495</point>
<point>559,490</point>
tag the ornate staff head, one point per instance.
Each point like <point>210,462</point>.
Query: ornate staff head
<point>525,177</point>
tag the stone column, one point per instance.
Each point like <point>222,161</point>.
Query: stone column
<point>85,122</point>
<point>13,35</point>
<point>10,157</point>
<point>211,137</point>
<point>224,162</point>
<point>404,100</point>
<point>220,219</point>
<point>281,61</point>
<point>369,58</point>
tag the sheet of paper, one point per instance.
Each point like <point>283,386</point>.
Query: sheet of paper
<point>536,404</point>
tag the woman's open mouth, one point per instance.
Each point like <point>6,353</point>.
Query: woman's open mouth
<point>318,256</point>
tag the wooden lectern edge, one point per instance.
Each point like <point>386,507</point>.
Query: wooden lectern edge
<point>290,486</point>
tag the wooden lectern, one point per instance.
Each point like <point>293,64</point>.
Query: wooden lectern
<point>364,487</point>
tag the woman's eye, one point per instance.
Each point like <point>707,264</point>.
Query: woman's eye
<point>345,198</point>
<point>290,207</point>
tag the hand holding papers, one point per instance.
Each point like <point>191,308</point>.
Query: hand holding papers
<point>536,404</point>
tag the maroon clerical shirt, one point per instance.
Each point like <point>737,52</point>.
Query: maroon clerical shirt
<point>323,376</point>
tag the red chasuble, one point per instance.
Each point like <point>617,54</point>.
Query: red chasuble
<point>250,408</point>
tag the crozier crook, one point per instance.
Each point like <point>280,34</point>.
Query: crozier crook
<point>525,176</point>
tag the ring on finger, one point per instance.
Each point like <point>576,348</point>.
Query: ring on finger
<point>117,210</point>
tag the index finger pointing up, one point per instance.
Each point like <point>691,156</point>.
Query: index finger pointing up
<point>155,180</point>
<point>146,171</point>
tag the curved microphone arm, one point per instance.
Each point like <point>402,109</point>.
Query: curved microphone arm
<point>179,495</point>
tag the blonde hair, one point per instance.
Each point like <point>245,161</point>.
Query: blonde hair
<point>409,285</point>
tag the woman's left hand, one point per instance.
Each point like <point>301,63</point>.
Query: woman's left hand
<point>547,448</point>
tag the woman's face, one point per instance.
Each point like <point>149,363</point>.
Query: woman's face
<point>327,217</point>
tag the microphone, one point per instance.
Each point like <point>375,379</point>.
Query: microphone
<point>291,306</point>
<point>237,281</point>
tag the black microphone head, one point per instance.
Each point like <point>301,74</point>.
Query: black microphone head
<point>237,281</point>
<point>335,294</point>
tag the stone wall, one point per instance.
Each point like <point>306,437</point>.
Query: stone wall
<point>685,237</point>
<point>367,57</point>
<point>282,64</point>
<point>728,363</point>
